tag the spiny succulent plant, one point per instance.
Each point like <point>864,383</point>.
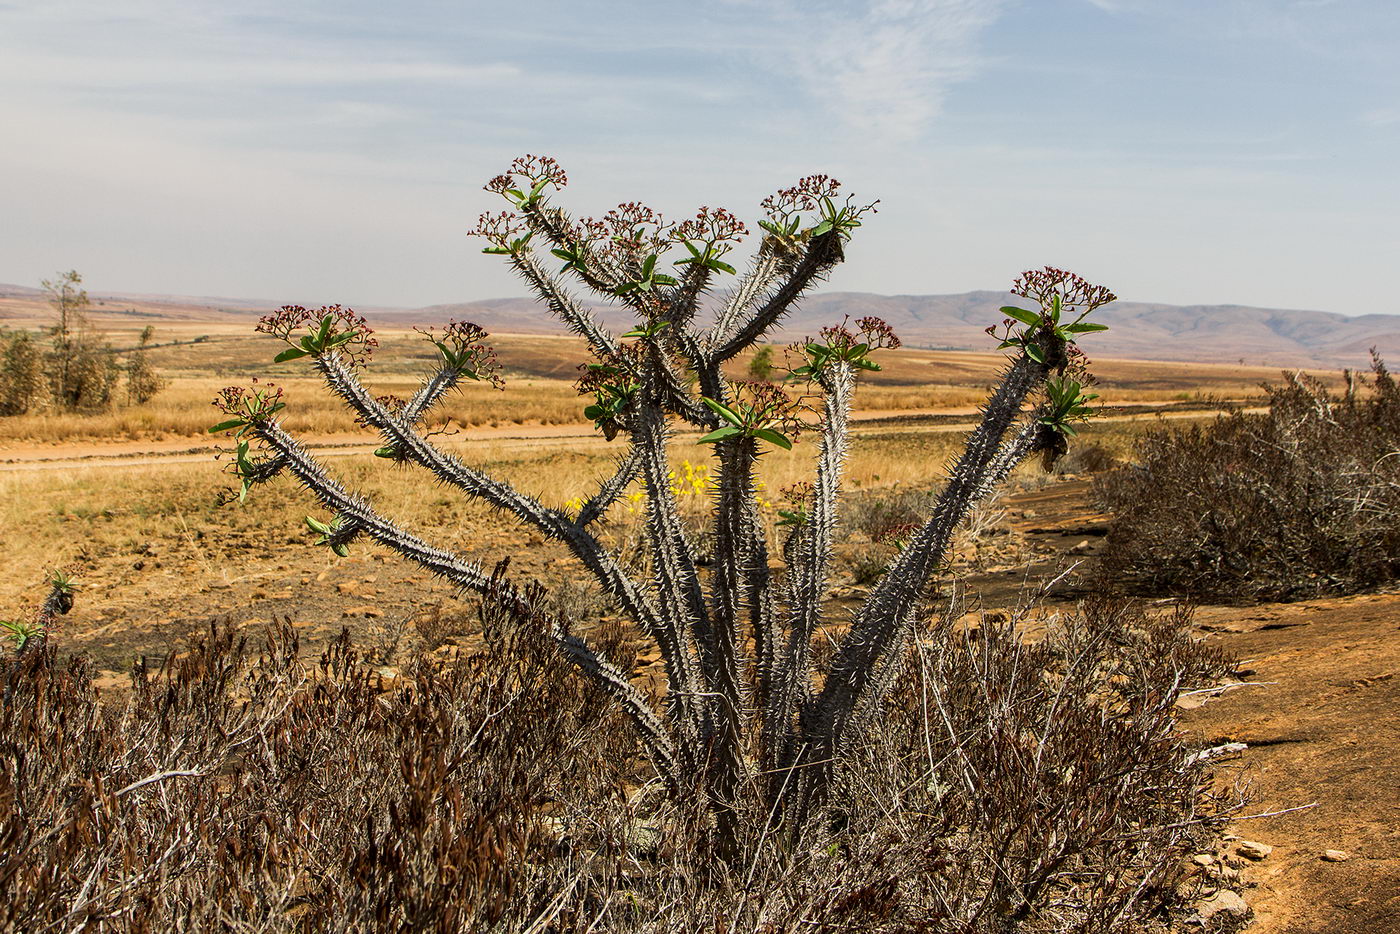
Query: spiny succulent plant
<point>747,719</point>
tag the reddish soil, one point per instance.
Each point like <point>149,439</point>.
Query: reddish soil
<point>1321,728</point>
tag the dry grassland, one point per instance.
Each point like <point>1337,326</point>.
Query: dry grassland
<point>540,371</point>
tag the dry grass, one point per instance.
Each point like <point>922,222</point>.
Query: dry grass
<point>1007,786</point>
<point>540,371</point>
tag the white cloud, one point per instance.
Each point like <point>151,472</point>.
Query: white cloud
<point>1381,117</point>
<point>885,67</point>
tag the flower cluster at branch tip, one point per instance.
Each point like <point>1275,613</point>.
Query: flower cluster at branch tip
<point>873,332</point>
<point>249,403</point>
<point>772,404</point>
<point>1076,294</point>
<point>533,168</point>
<point>612,383</point>
<point>806,195</point>
<point>838,343</point>
<point>464,350</point>
<point>501,229</point>
<point>329,327</point>
<point>760,411</point>
<point>1047,335</point>
<point>712,225</point>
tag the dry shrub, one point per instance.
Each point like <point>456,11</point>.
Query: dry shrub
<point>1090,458</point>
<point>1006,785</point>
<point>1283,506</point>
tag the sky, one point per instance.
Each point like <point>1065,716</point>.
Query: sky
<point>1179,151</point>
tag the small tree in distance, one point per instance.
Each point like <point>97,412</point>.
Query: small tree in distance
<point>82,369</point>
<point>22,388</point>
<point>142,380</point>
<point>761,363</point>
<point>750,724</point>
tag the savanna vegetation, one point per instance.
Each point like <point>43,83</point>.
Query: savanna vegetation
<point>1293,503</point>
<point>751,694</point>
<point>76,370</point>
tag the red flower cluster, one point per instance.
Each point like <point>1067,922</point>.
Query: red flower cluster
<point>533,168</point>
<point>499,228</point>
<point>470,352</point>
<point>1075,292</point>
<point>291,319</point>
<point>874,332</point>
<point>804,196</point>
<point>771,406</point>
<point>250,402</point>
<point>632,228</point>
<point>711,225</point>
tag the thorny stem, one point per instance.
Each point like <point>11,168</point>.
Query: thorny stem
<point>736,724</point>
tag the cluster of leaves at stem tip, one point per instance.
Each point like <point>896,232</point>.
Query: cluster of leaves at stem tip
<point>838,344</point>
<point>22,632</point>
<point>247,406</point>
<point>1065,300</point>
<point>1066,403</point>
<point>328,533</point>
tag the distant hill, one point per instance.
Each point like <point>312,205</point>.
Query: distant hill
<point>1138,330</point>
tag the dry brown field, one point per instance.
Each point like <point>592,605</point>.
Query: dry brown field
<point>129,502</point>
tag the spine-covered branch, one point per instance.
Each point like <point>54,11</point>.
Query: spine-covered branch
<point>731,713</point>
<point>628,467</point>
<point>809,554</point>
<point>878,626</point>
<point>551,291</point>
<point>822,254</point>
<point>675,581</point>
<point>355,516</point>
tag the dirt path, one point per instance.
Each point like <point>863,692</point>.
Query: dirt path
<point>177,450</point>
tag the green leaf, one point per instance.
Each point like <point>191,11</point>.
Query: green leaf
<point>325,329</point>
<point>225,426</point>
<point>389,451</point>
<point>719,434</point>
<point>341,550</point>
<point>291,353</point>
<point>1021,315</point>
<point>823,227</point>
<point>865,364</point>
<point>316,525</point>
<point>720,266</point>
<point>723,411</point>
<point>515,193</point>
<point>768,434</point>
<point>661,279</point>
<point>1084,327</point>
<point>497,250</point>
<point>539,187</point>
<point>563,254</point>
<point>1035,353</point>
